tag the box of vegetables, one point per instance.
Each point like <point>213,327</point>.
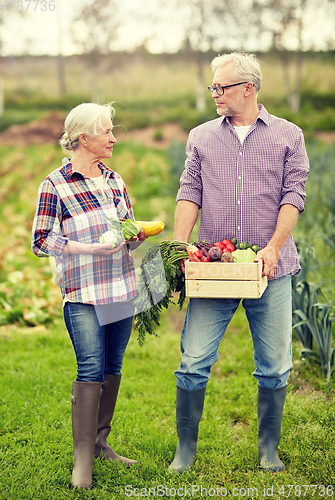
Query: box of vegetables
<point>224,270</point>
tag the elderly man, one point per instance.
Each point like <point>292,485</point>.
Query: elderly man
<point>246,171</point>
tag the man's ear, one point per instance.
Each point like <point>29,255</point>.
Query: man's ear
<point>249,88</point>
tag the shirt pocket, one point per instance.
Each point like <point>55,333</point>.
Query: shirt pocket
<point>86,227</point>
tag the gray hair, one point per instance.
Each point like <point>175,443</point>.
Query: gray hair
<point>246,67</point>
<point>83,119</point>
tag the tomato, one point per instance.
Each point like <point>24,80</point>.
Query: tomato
<point>206,259</point>
<point>227,249</point>
<point>220,244</point>
<point>226,242</point>
<point>230,247</point>
<point>198,253</point>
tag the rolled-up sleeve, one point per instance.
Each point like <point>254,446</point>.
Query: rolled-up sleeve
<point>47,239</point>
<point>190,180</point>
<point>296,169</point>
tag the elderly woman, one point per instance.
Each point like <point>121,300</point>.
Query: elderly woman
<point>97,283</point>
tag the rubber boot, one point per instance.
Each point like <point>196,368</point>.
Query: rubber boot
<point>189,408</point>
<point>110,389</point>
<point>270,406</point>
<point>85,404</point>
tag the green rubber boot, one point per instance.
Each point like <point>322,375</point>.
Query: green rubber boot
<point>270,406</point>
<point>189,407</point>
<point>85,404</point>
<point>110,389</point>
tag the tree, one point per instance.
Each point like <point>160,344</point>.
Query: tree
<point>199,37</point>
<point>60,57</point>
<point>94,31</point>
<point>201,28</point>
<point>4,12</point>
<point>211,25</point>
<point>287,21</point>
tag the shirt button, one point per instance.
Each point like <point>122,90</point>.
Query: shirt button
<point>238,202</point>
<point>240,153</point>
<point>238,228</point>
<point>239,177</point>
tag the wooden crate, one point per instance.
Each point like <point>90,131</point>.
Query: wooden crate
<point>224,280</point>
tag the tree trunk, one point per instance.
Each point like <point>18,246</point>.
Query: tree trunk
<point>201,100</point>
<point>61,74</point>
<point>2,99</point>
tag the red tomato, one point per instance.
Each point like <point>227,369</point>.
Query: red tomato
<point>227,249</point>
<point>198,253</point>
<point>206,259</point>
<point>230,247</point>
<point>219,244</point>
<point>227,242</point>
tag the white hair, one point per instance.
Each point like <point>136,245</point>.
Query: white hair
<point>83,119</point>
<point>246,67</point>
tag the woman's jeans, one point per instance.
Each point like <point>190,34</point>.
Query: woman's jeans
<point>270,321</point>
<point>99,349</point>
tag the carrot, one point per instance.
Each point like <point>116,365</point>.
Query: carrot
<point>191,256</point>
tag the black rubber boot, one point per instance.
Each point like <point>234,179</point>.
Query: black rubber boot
<point>110,389</point>
<point>85,404</point>
<point>270,406</point>
<point>189,408</point>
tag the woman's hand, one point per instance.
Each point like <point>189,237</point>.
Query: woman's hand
<point>105,250</point>
<point>137,240</point>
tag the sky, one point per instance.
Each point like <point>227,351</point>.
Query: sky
<point>37,32</point>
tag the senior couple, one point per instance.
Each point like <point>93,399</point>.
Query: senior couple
<point>245,172</point>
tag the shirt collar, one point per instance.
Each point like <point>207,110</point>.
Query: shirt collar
<point>69,171</point>
<point>262,115</point>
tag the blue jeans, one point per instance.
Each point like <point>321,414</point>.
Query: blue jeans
<point>270,322</point>
<point>99,349</point>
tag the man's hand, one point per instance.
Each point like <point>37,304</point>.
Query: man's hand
<point>287,217</point>
<point>270,257</point>
<point>182,265</point>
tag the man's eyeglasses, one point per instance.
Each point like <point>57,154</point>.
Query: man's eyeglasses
<point>220,90</point>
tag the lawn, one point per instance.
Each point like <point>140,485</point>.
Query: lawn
<point>37,370</point>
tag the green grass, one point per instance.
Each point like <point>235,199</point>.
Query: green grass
<point>37,369</point>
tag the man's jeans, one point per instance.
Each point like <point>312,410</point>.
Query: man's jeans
<point>99,349</point>
<point>270,321</point>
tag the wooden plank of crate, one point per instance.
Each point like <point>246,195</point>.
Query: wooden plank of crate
<point>223,270</point>
<point>225,289</point>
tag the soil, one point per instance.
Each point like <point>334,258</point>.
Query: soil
<point>48,129</point>
<point>328,137</point>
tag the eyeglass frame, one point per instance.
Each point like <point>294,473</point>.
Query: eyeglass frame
<point>211,88</point>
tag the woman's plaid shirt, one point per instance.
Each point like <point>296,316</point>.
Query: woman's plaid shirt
<point>70,206</point>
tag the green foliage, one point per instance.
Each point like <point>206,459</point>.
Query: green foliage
<point>160,282</point>
<point>14,116</point>
<point>158,90</point>
<point>319,321</point>
<point>313,320</point>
